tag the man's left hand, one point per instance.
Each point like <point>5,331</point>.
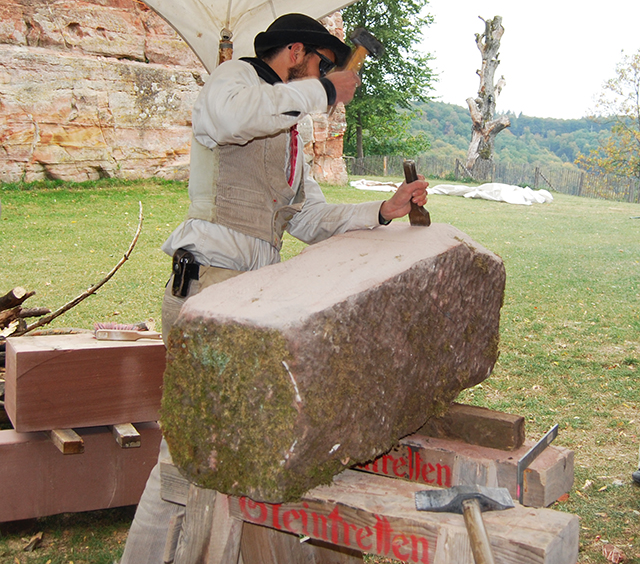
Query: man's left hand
<point>399,204</point>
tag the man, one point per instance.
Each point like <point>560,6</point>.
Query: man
<point>248,184</point>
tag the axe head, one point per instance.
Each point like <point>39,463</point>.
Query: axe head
<point>360,37</point>
<point>450,500</point>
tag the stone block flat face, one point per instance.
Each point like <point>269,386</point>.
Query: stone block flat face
<point>38,480</point>
<point>278,379</point>
<point>65,381</point>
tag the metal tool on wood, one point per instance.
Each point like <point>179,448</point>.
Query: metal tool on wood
<point>530,456</point>
<point>366,44</point>
<point>418,214</point>
<point>471,501</point>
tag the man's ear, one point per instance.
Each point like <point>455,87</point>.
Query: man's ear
<point>297,52</point>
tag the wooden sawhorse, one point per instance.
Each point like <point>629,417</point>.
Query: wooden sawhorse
<point>358,513</point>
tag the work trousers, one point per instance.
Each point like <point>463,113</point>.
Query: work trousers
<point>150,539</point>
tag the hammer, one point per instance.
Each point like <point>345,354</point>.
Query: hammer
<point>471,501</point>
<point>366,44</point>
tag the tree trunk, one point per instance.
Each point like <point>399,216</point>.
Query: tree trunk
<point>485,127</point>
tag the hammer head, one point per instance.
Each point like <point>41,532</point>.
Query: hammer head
<point>450,500</point>
<point>360,37</point>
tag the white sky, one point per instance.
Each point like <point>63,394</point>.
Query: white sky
<point>554,54</point>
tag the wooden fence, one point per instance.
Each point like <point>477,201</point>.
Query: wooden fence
<point>566,181</point>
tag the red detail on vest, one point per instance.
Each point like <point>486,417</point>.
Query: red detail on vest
<point>294,154</point>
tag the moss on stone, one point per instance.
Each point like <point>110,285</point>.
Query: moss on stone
<point>228,406</point>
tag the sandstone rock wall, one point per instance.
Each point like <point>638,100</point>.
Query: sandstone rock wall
<point>93,89</point>
<point>99,88</point>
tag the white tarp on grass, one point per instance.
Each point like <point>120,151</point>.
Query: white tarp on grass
<point>493,191</point>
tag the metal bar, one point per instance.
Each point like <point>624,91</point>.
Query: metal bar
<point>530,456</point>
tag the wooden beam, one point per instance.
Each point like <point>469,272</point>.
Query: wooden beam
<point>174,487</point>
<point>126,435</point>
<point>477,426</point>
<point>445,463</point>
<point>197,526</point>
<point>261,545</point>
<point>67,441</point>
<point>225,534</point>
<point>37,481</point>
<point>74,381</point>
<point>377,515</point>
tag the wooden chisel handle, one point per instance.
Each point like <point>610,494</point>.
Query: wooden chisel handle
<point>418,215</point>
<point>125,335</point>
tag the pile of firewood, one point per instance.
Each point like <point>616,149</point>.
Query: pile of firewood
<point>12,320</point>
<point>13,315</point>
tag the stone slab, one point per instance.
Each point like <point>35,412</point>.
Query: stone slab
<point>68,381</point>
<point>278,379</point>
<point>38,480</point>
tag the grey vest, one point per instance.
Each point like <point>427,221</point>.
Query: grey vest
<point>244,187</point>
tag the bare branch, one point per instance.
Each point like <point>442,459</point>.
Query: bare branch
<point>66,307</point>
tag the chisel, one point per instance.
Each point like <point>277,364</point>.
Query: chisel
<point>418,215</point>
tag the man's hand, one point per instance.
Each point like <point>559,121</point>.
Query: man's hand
<point>345,83</point>
<point>399,204</point>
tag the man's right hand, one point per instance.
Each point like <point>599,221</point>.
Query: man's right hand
<point>345,83</point>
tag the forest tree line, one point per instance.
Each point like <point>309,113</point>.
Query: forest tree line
<point>548,142</point>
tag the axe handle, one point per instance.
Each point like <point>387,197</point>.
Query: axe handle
<point>478,537</point>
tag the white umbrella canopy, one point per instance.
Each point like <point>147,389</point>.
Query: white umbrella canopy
<point>200,22</point>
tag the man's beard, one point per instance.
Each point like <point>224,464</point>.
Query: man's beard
<point>298,71</point>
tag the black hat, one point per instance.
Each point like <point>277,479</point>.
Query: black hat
<point>298,28</point>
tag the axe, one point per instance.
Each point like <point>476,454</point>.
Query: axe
<point>366,44</point>
<point>471,501</point>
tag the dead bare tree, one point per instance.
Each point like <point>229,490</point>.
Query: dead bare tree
<point>482,109</point>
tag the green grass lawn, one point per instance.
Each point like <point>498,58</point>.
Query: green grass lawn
<point>570,326</point>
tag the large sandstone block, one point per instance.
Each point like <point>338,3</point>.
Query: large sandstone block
<point>69,381</point>
<point>278,379</point>
<point>38,480</point>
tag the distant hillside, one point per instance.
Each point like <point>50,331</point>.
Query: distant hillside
<point>530,140</point>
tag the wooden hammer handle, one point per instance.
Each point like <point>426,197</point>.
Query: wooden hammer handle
<point>357,59</point>
<point>478,536</point>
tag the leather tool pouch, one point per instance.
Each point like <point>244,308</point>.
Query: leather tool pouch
<point>185,269</point>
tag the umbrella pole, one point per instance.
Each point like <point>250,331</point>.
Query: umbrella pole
<point>225,49</point>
